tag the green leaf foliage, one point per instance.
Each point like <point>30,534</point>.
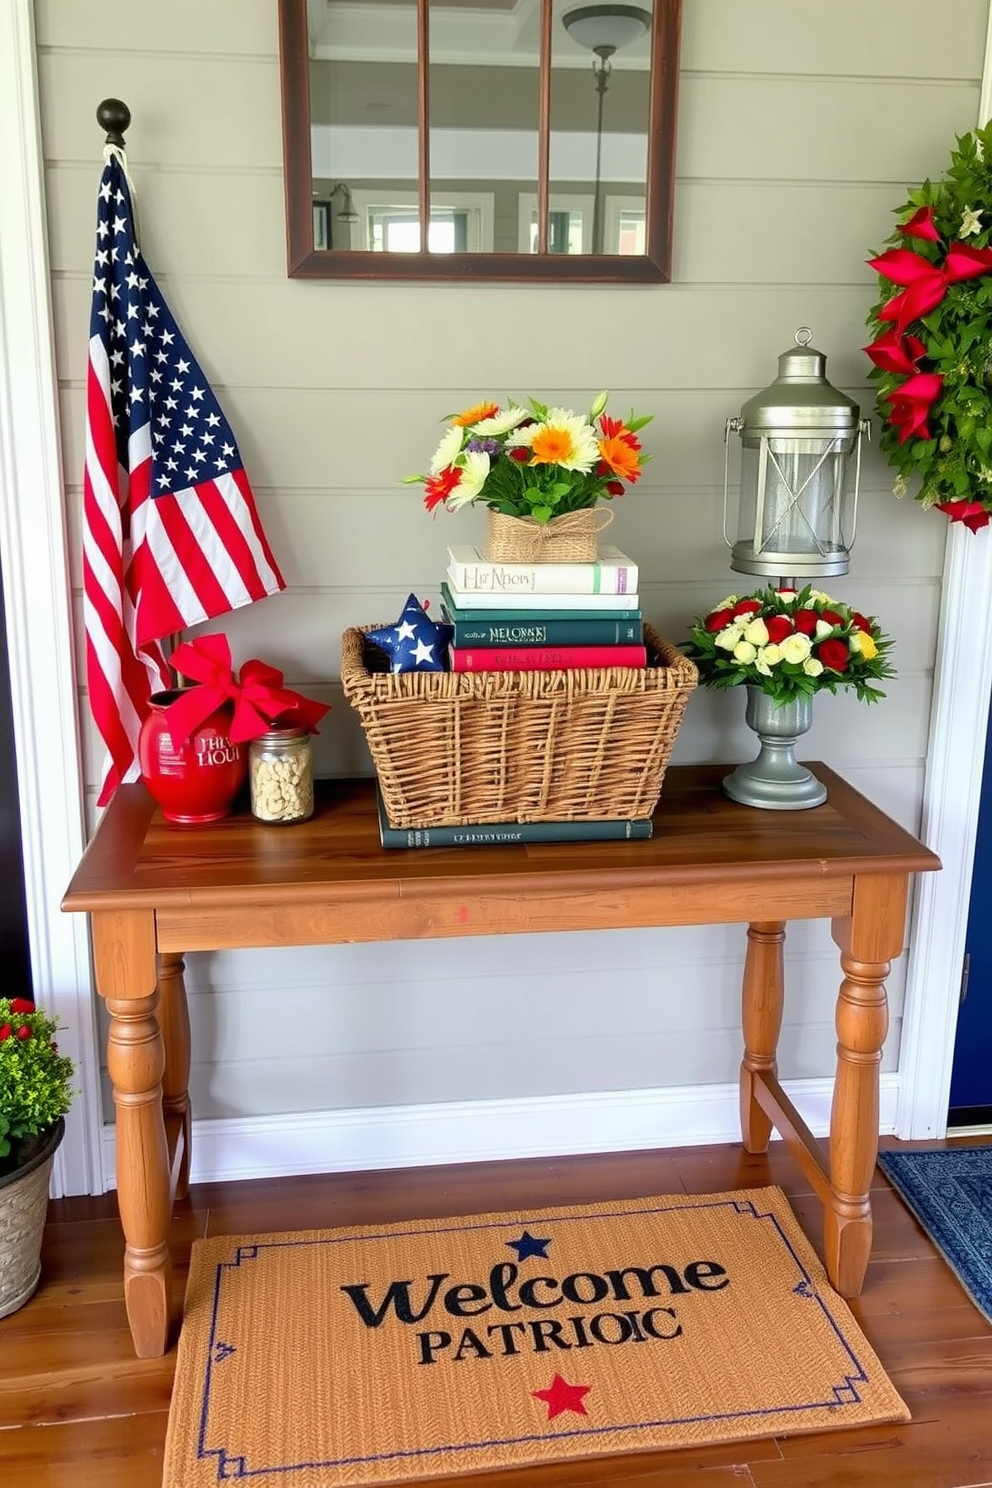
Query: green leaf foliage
<point>35,1079</point>
<point>953,463</point>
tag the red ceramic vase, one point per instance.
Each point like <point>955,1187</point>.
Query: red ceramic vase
<point>196,781</point>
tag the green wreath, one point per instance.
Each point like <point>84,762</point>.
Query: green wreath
<point>932,346</point>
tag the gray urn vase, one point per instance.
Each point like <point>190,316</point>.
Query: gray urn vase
<point>775,780</point>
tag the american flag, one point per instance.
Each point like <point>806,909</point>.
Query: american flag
<point>171,534</point>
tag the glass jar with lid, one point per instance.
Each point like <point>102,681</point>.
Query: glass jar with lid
<point>280,774</point>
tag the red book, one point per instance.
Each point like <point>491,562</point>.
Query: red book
<point>544,658</point>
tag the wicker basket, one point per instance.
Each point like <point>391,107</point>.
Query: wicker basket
<point>453,748</point>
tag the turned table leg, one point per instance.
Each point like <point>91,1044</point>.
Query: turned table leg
<point>868,940</point>
<point>126,976</point>
<point>173,1019</point>
<point>761,1020</point>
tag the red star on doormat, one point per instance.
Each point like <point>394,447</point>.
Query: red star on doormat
<point>561,1396</point>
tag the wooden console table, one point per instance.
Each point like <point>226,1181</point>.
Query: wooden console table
<point>154,892</point>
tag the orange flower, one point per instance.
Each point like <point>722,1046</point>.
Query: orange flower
<point>475,414</point>
<point>621,454</point>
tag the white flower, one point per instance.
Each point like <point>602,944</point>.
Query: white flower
<point>823,628</point>
<point>745,653</point>
<point>501,422</point>
<point>899,486</point>
<point>971,222</point>
<point>446,451</point>
<point>761,665</point>
<point>726,604</point>
<point>474,466</point>
<point>727,638</point>
<point>820,597</point>
<point>756,631</point>
<point>564,439</point>
<point>813,667</point>
<point>770,655</point>
<point>787,596</point>
<point>796,648</point>
<point>598,407</point>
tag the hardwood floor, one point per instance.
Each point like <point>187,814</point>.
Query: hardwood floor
<point>78,1410</point>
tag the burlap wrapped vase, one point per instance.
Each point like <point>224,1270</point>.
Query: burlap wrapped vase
<point>570,538</point>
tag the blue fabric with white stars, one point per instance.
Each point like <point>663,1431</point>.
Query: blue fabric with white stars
<point>416,643</point>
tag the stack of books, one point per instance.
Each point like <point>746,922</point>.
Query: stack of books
<point>542,616</point>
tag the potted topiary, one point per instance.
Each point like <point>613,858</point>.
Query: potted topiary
<point>35,1094</point>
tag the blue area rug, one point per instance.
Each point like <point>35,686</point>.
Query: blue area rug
<point>950,1192</point>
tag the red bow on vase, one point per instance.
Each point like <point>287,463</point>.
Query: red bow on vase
<point>261,702</point>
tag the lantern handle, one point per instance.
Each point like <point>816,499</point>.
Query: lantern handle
<point>804,336</point>
<point>733,426</point>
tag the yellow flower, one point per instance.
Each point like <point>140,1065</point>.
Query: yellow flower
<point>861,643</point>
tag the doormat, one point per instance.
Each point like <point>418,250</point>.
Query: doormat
<point>384,1353</point>
<point>950,1192</point>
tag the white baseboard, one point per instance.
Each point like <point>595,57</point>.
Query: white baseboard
<point>480,1131</point>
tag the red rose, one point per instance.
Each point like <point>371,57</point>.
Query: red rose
<point>831,617</point>
<point>5,1032</point>
<point>805,621</point>
<point>833,654</point>
<point>746,606</point>
<point>21,1005</point>
<point>23,1032</point>
<point>615,488</point>
<point>719,620</point>
<point>860,622</point>
<point>778,627</point>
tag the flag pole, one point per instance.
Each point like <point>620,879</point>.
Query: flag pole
<point>114,116</point>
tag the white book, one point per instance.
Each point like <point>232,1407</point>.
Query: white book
<point>474,602</point>
<point>471,572</point>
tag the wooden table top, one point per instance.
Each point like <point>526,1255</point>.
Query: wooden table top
<point>136,860</point>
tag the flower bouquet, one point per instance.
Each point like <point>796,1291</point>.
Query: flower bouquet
<point>536,465</point>
<point>35,1093</point>
<point>34,1080</point>
<point>790,644</point>
<point>932,329</point>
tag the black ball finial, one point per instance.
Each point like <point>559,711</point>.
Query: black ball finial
<point>114,117</point>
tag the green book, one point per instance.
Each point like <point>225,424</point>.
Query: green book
<point>489,834</point>
<point>544,631</point>
<point>541,606</point>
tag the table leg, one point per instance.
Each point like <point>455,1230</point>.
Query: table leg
<point>174,1021</point>
<point>127,979</point>
<point>868,940</point>
<point>761,1021</point>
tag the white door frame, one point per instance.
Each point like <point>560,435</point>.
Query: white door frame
<point>33,551</point>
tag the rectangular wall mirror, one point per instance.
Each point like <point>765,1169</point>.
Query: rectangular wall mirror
<point>479,139</point>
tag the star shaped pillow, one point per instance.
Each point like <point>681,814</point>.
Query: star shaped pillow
<point>416,643</point>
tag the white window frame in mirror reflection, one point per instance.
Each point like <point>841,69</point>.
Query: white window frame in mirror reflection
<point>615,209</point>
<point>479,206</point>
<point>577,204</point>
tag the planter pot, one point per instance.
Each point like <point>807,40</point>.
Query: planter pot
<point>196,781</point>
<point>775,780</point>
<point>570,538</point>
<point>23,1206</point>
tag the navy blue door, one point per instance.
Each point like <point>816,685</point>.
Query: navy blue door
<point>971,1078</point>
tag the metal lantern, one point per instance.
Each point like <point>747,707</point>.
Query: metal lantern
<point>798,505</point>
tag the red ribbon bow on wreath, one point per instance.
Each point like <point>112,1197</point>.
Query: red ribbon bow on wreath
<point>926,283</point>
<point>260,700</point>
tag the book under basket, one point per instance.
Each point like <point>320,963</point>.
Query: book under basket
<point>452,748</point>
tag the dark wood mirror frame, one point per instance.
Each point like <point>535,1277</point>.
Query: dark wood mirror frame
<point>653,266</point>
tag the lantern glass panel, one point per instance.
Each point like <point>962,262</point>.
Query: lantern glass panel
<point>794,497</point>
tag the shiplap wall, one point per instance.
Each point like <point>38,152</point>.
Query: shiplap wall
<point>800,127</point>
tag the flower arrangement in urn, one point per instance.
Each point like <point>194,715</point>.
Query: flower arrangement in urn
<point>35,1088</point>
<point>932,330</point>
<point>790,644</point>
<point>533,461</point>
<point>35,1093</point>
